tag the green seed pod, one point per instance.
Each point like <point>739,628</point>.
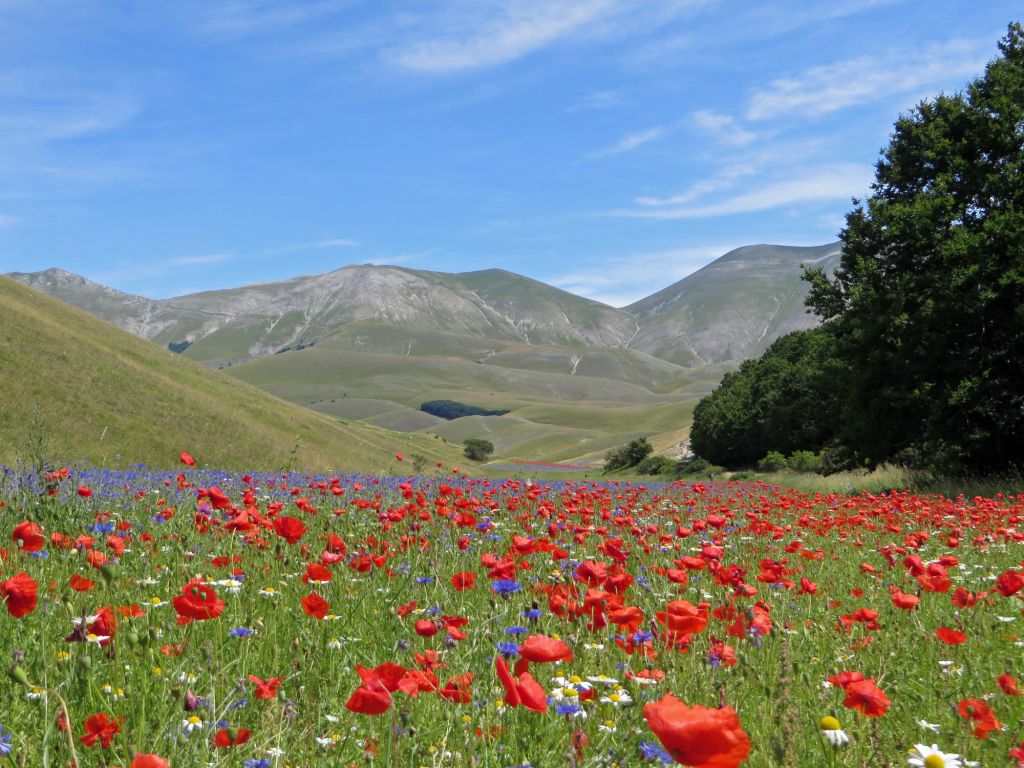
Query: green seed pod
<point>85,661</point>
<point>107,572</point>
<point>18,675</point>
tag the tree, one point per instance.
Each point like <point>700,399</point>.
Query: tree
<point>927,304</point>
<point>787,400</point>
<point>477,449</point>
<point>628,455</point>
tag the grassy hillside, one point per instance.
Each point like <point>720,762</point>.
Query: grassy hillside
<point>101,395</point>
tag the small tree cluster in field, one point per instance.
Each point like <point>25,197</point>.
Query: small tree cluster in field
<point>477,449</point>
<point>798,461</point>
<point>628,455</point>
<point>453,409</point>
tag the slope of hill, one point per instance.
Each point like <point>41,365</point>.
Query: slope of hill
<point>733,308</point>
<point>104,396</point>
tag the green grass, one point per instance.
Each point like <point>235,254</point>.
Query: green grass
<point>104,396</point>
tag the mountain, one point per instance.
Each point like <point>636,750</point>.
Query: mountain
<point>733,308</point>
<point>75,388</point>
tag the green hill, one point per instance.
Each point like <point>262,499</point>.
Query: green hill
<point>91,392</point>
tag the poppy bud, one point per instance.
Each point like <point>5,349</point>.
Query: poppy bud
<point>85,662</point>
<point>133,638</point>
<point>107,572</point>
<point>18,675</point>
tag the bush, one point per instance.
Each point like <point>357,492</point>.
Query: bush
<point>477,449</point>
<point>694,466</point>
<point>804,461</point>
<point>453,409</point>
<point>656,465</point>
<point>628,455</point>
<point>773,462</point>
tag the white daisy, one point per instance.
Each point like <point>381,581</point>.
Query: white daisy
<point>833,732</point>
<point>933,727</point>
<point>932,757</point>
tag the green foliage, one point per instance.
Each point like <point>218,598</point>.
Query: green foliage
<point>784,401</point>
<point>453,409</point>
<point>773,461</point>
<point>927,305</point>
<point>656,465</point>
<point>477,449</point>
<point>628,455</point>
<point>804,461</point>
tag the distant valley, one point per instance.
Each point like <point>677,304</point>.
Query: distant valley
<point>371,343</point>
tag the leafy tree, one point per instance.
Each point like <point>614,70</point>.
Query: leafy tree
<point>927,306</point>
<point>785,401</point>
<point>453,409</point>
<point>773,461</point>
<point>477,448</point>
<point>628,455</point>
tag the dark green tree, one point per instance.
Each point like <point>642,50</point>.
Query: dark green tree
<point>477,448</point>
<point>928,303</point>
<point>786,400</point>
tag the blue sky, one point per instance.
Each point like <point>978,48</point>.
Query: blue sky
<point>609,147</point>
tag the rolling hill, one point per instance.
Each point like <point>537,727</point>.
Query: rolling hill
<point>90,392</point>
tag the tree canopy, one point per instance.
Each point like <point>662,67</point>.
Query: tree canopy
<point>927,305</point>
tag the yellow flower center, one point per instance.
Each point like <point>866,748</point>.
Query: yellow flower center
<point>934,761</point>
<point>829,723</point>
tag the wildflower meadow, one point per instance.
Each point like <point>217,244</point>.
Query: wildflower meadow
<point>198,618</point>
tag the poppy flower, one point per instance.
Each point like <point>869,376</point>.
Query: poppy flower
<point>149,761</point>
<point>231,737</point>
<point>266,689</point>
<point>903,600</point>
<point>28,536</point>
<point>950,636</point>
<point>84,491</point>
<point>1008,683</point>
<point>369,699</point>
<point>683,617</point>
<point>541,648</point>
<point>187,459</point>
<point>291,529</point>
<point>698,736</point>
<point>457,689</point>
<point>425,628</point>
<point>525,690</point>
<point>316,572</point>
<point>315,606</point>
<point>197,602</point>
<point>464,580</point>
<point>19,594</point>
<point>100,727</point>
<point>979,711</point>
<point>1010,582</point>
<point>867,698</point>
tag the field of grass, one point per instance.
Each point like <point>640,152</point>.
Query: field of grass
<point>287,620</point>
<point>73,388</point>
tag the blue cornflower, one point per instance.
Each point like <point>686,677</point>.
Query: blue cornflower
<point>532,614</point>
<point>102,527</point>
<point>223,724</point>
<point>41,554</point>
<point>6,742</point>
<point>505,587</point>
<point>237,704</point>
<point>258,762</point>
<point>568,710</point>
<point>516,630</point>
<point>652,751</point>
<point>508,649</point>
<point>241,632</point>
<point>642,636</point>
<point>424,579</point>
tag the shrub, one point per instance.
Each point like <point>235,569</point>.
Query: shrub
<point>453,409</point>
<point>477,449</point>
<point>628,455</point>
<point>773,462</point>
<point>804,461</point>
<point>655,465</point>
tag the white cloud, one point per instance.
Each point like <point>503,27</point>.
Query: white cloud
<point>194,261</point>
<point>503,32</point>
<point>597,100</point>
<point>835,182</point>
<point>6,220</point>
<point>823,89</point>
<point>724,128</point>
<point>239,18</point>
<point>726,178</point>
<point>630,141</point>
<point>621,280</point>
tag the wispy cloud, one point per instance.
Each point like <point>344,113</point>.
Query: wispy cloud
<point>329,242</point>
<point>7,220</point>
<point>834,182</point>
<point>724,128</point>
<point>194,261</point>
<point>597,100</point>
<point>630,141</point>
<point>726,178</point>
<point>499,32</point>
<point>823,89</point>
<point>621,280</point>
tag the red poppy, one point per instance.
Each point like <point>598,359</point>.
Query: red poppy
<point>984,718</point>
<point>1009,684</point>
<point>464,580</point>
<point>316,572</point>
<point>903,600</point>
<point>100,727</point>
<point>197,602</point>
<point>1010,582</point>
<point>149,761</point>
<point>425,628</point>
<point>698,736</point>
<point>683,617</point>
<point>187,459</point>
<point>369,699</point>
<point>266,689</point>
<point>867,698</point>
<point>541,648</point>
<point>950,636</point>
<point>291,529</point>
<point>19,594</point>
<point>231,737</point>
<point>525,690</point>
<point>315,606</point>
<point>28,536</point>
<point>84,491</point>
<point>457,689</point>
